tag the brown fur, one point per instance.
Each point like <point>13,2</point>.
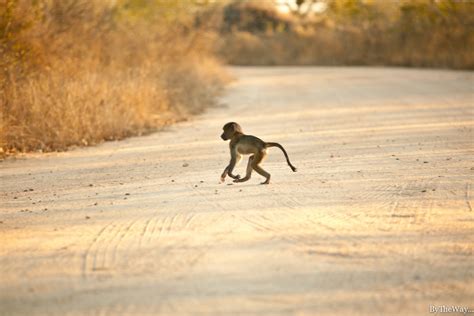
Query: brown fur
<point>241,144</point>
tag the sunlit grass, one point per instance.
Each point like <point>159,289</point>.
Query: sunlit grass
<point>80,72</point>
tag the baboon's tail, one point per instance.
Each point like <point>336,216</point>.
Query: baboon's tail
<point>284,152</point>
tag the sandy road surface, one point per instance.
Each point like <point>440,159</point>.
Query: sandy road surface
<point>378,220</point>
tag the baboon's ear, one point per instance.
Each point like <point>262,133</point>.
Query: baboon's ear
<point>236,127</point>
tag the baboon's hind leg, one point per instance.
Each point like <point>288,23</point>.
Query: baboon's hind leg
<point>249,171</point>
<point>255,165</point>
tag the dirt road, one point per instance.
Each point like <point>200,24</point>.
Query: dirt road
<point>377,221</point>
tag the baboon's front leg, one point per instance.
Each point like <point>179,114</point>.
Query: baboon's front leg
<point>249,171</point>
<point>234,160</point>
<point>226,172</point>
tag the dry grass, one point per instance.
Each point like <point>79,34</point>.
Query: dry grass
<point>418,33</point>
<point>80,72</point>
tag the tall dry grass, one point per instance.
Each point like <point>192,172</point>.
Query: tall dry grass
<point>77,72</point>
<point>415,33</point>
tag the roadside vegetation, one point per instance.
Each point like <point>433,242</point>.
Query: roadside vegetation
<point>77,72</point>
<point>412,33</point>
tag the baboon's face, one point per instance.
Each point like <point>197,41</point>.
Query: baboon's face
<point>229,130</point>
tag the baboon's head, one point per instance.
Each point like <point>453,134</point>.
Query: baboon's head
<point>230,129</point>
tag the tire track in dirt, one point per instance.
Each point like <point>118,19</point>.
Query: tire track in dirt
<point>467,198</point>
<point>90,255</point>
<point>363,226</point>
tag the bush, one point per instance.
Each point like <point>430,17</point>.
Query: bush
<point>417,33</point>
<point>77,72</point>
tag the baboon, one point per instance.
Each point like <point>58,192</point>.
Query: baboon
<point>241,144</point>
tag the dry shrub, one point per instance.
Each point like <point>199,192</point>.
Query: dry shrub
<point>416,33</point>
<point>77,72</point>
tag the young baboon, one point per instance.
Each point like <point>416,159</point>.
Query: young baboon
<point>241,144</point>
